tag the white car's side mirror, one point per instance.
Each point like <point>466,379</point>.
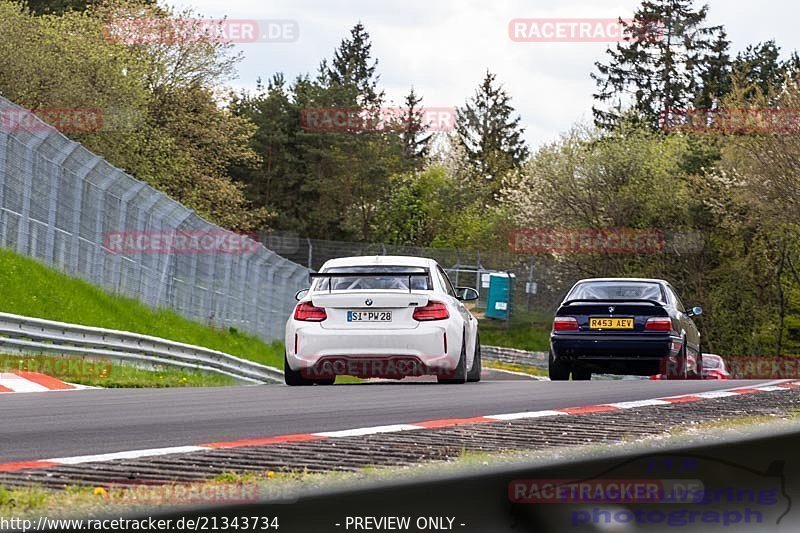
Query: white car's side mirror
<point>299,294</point>
<point>466,294</point>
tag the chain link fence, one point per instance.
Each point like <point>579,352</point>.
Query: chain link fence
<point>539,282</point>
<point>63,205</point>
<point>59,203</point>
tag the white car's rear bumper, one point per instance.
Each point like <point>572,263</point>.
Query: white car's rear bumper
<point>310,344</point>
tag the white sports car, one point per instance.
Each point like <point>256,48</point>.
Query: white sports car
<point>382,316</point>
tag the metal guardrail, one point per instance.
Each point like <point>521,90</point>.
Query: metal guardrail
<point>73,211</point>
<point>534,359</point>
<point>35,335</point>
<point>514,356</point>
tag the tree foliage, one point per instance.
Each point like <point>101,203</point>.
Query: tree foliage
<point>726,202</point>
<point>658,66</point>
<point>490,135</point>
<point>161,121</point>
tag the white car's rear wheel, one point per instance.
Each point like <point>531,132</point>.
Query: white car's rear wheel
<point>475,372</point>
<point>459,374</point>
<point>292,377</point>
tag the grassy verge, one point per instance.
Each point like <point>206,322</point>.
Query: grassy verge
<point>526,331</point>
<point>29,288</point>
<point>525,369</point>
<point>32,289</point>
<point>104,373</point>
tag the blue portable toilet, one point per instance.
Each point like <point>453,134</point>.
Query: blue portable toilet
<point>498,301</point>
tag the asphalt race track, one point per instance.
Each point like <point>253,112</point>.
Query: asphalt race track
<point>60,424</point>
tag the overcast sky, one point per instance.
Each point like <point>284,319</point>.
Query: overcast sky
<point>443,47</point>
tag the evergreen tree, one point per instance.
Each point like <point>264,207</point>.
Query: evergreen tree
<point>490,135</point>
<point>55,7</point>
<point>59,7</point>
<point>414,135</point>
<point>792,66</point>
<point>715,73</point>
<point>324,183</point>
<point>761,69</point>
<point>656,68</point>
<point>278,181</point>
<point>352,167</point>
<point>352,66</point>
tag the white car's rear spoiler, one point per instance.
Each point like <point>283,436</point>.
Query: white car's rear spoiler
<point>376,274</point>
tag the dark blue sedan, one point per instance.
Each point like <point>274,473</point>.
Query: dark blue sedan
<point>633,326</point>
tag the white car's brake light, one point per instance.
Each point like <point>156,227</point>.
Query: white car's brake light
<point>433,311</point>
<point>309,313</point>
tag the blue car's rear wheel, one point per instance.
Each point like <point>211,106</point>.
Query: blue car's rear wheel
<point>557,369</point>
<point>580,373</point>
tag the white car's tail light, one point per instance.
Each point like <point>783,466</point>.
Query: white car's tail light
<point>309,313</point>
<point>433,311</point>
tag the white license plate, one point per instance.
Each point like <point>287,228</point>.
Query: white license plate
<point>369,316</point>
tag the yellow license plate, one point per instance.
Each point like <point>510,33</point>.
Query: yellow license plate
<point>610,323</point>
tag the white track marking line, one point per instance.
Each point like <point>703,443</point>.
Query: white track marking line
<point>528,414</point>
<point>133,454</point>
<point>714,394</point>
<point>19,384</point>
<point>368,431</point>
<point>81,387</point>
<point>769,386</point>
<point>784,380</point>
<point>637,403</point>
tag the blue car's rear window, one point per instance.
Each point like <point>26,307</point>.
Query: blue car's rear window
<point>616,290</point>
